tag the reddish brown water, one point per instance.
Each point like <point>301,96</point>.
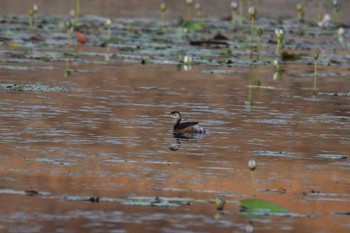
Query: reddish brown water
<point>107,137</point>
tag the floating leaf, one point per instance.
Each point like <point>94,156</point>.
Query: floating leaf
<point>256,207</point>
<point>193,25</point>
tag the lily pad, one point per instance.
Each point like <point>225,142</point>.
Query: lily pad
<point>157,201</point>
<point>257,207</point>
<point>31,87</point>
<point>193,25</point>
<point>331,156</point>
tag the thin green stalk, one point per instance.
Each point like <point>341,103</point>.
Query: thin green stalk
<point>163,22</point>
<point>317,55</point>
<point>31,22</point>
<point>253,182</point>
<point>77,9</point>
<point>315,75</point>
<point>250,96</point>
<point>252,29</point>
<point>240,13</point>
<point>259,46</point>
<point>278,47</point>
<point>335,15</point>
<point>189,12</point>
<point>233,19</point>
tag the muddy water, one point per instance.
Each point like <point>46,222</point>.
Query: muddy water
<point>85,145</point>
<point>107,137</point>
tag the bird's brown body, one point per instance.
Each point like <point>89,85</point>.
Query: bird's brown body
<point>186,127</point>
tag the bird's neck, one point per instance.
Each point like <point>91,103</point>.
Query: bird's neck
<point>177,123</point>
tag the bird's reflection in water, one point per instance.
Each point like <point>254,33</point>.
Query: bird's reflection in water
<point>188,137</point>
<point>175,146</point>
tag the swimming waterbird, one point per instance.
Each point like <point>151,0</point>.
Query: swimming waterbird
<point>180,129</point>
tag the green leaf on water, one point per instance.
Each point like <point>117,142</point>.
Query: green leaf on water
<point>193,25</point>
<point>257,207</point>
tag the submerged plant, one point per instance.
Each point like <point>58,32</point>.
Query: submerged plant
<point>162,12</point>
<point>234,6</point>
<point>252,16</point>
<point>252,167</point>
<point>32,16</point>
<point>280,38</point>
<point>301,13</point>
<point>189,9</point>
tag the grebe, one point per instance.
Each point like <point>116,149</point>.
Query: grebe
<point>186,127</point>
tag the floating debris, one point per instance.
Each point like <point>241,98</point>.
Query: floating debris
<point>31,87</point>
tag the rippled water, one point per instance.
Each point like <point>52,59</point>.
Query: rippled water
<point>85,145</point>
<point>107,138</point>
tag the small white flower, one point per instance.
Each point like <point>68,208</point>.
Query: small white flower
<point>340,31</point>
<point>252,12</point>
<point>275,62</point>
<point>234,5</point>
<point>279,32</point>
<point>35,8</point>
<point>162,7</point>
<point>187,60</point>
<point>335,3</point>
<point>108,22</point>
<point>189,2</point>
<point>326,18</point>
<point>72,13</point>
<point>252,164</point>
<point>324,23</point>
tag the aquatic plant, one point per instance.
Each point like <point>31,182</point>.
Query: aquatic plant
<point>336,9</point>
<point>325,22</point>
<point>249,228</point>
<point>252,16</point>
<point>278,74</point>
<point>234,6</point>
<point>77,9</point>
<point>259,32</point>
<point>252,166</point>
<point>108,24</point>
<point>187,60</point>
<point>162,12</point>
<point>69,26</point>
<point>340,33</point>
<point>189,9</point>
<point>198,8</point>
<point>32,16</point>
<point>240,13</point>
<point>316,57</point>
<point>280,38</point>
<point>301,13</point>
<point>220,204</point>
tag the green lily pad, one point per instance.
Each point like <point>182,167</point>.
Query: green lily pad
<point>256,207</point>
<point>190,25</point>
